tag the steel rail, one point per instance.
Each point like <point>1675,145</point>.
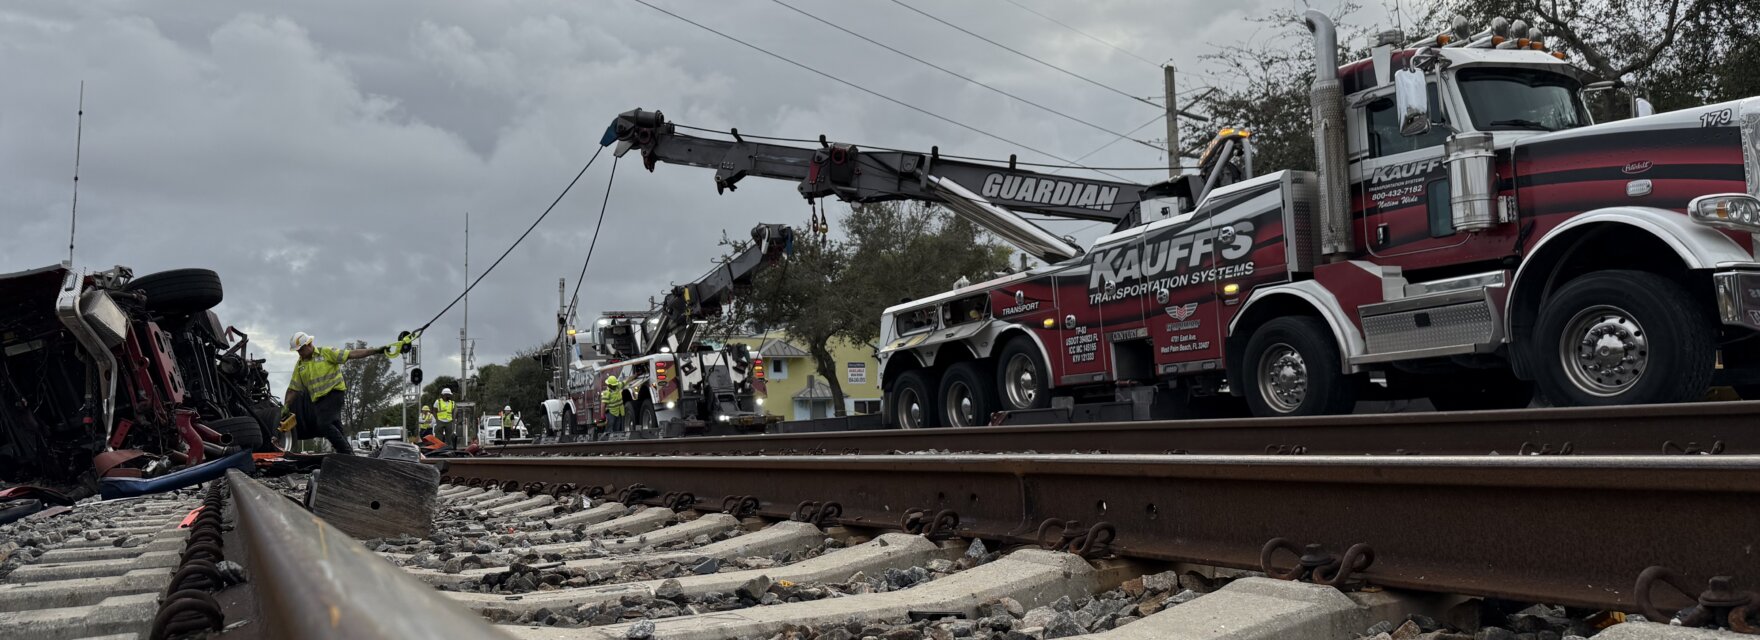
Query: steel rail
<point>1728,427</point>
<point>1570,530</point>
<point>313,581</point>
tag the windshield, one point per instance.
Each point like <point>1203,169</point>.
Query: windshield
<point>392,432</point>
<point>1504,99</point>
<point>492,421</point>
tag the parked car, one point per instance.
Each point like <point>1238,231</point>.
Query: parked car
<point>383,435</point>
<point>363,440</point>
<point>108,375</point>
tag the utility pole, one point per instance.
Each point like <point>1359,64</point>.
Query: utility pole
<point>464,331</point>
<point>1173,160</point>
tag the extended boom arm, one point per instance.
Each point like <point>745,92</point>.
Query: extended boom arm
<point>990,195</point>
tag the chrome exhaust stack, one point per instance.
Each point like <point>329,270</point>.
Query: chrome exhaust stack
<point>1327,100</point>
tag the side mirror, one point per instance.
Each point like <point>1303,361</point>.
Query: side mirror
<point>1411,102</point>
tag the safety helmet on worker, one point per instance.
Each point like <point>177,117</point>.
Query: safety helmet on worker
<point>300,339</point>
<point>427,409</point>
<point>446,391</point>
<point>507,408</point>
<point>612,381</point>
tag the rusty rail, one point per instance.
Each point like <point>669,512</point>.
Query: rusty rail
<point>312,581</point>
<point>1722,427</point>
<point>1571,530</point>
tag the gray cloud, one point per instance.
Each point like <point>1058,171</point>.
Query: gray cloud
<point>321,155</point>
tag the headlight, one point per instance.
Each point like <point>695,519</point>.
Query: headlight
<point>1726,211</point>
<point>722,418</point>
<point>760,402</point>
<point>671,405</point>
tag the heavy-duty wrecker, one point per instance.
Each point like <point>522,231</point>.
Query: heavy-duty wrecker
<point>674,384</point>
<point>1470,236</point>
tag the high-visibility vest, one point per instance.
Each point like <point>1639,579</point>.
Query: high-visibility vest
<point>443,410</point>
<point>612,398</point>
<point>427,420</point>
<point>320,374</point>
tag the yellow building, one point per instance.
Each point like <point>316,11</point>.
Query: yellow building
<point>797,389</point>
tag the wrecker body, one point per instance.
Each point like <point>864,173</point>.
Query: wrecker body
<point>1469,236</point>
<point>673,383</point>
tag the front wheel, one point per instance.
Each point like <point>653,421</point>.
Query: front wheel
<point>968,395</point>
<point>913,401</point>
<point>1622,337</point>
<point>1294,369</point>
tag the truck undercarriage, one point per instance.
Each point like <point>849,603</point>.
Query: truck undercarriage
<point>106,375</point>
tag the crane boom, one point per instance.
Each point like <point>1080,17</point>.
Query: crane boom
<point>991,195</point>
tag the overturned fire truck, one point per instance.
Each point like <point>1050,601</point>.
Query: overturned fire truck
<point>1470,236</point>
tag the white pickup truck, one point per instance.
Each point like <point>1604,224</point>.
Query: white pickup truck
<point>492,431</point>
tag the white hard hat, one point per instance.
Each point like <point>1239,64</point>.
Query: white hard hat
<point>446,392</point>
<point>300,339</point>
<point>507,408</point>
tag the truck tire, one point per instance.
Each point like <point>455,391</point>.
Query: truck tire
<point>180,291</point>
<point>967,395</point>
<point>567,426</point>
<point>1293,368</point>
<point>1478,390</point>
<point>913,402</point>
<point>1023,380</point>
<point>1622,337</point>
<point>246,432</point>
<point>645,417</point>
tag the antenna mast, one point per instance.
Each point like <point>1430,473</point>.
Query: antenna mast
<point>78,141</point>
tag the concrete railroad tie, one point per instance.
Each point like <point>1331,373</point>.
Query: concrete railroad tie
<point>889,551</point>
<point>778,537</point>
<point>1031,576</point>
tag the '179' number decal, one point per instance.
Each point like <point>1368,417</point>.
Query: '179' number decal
<point>1718,118</point>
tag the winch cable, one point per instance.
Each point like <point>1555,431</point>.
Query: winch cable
<point>574,298</point>
<point>510,248</point>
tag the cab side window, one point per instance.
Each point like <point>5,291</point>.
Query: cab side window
<point>1384,137</point>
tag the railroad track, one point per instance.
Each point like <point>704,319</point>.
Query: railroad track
<point>982,545</point>
<point>1721,427</point>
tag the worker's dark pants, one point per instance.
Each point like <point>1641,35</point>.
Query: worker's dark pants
<point>329,410</point>
<point>444,428</point>
<point>614,422</point>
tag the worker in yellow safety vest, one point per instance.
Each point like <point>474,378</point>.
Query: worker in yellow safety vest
<point>443,407</point>
<point>317,386</point>
<point>612,400</point>
<point>426,422</point>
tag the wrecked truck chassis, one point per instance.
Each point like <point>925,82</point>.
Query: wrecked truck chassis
<point>107,375</point>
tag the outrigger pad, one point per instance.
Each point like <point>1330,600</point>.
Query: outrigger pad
<point>372,498</point>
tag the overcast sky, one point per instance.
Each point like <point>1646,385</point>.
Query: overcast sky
<point>321,155</point>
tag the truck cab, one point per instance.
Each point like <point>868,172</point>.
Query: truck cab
<point>1471,237</point>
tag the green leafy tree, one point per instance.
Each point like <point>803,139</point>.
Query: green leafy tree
<point>835,289</point>
<point>372,387</point>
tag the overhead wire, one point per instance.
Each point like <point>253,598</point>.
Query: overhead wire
<point>516,242</point>
<point>964,77</point>
<point>857,87</point>
<point>1023,54</point>
<point>574,298</point>
<point>1083,33</point>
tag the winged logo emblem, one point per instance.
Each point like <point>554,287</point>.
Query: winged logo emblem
<point>1180,312</point>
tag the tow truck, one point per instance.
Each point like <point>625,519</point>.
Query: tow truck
<point>674,383</point>
<point>1469,236</point>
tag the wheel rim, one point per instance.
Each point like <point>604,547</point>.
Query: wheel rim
<point>958,403</point>
<point>1283,378</point>
<point>1021,381</point>
<point>1604,351</point>
<point>910,409</point>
